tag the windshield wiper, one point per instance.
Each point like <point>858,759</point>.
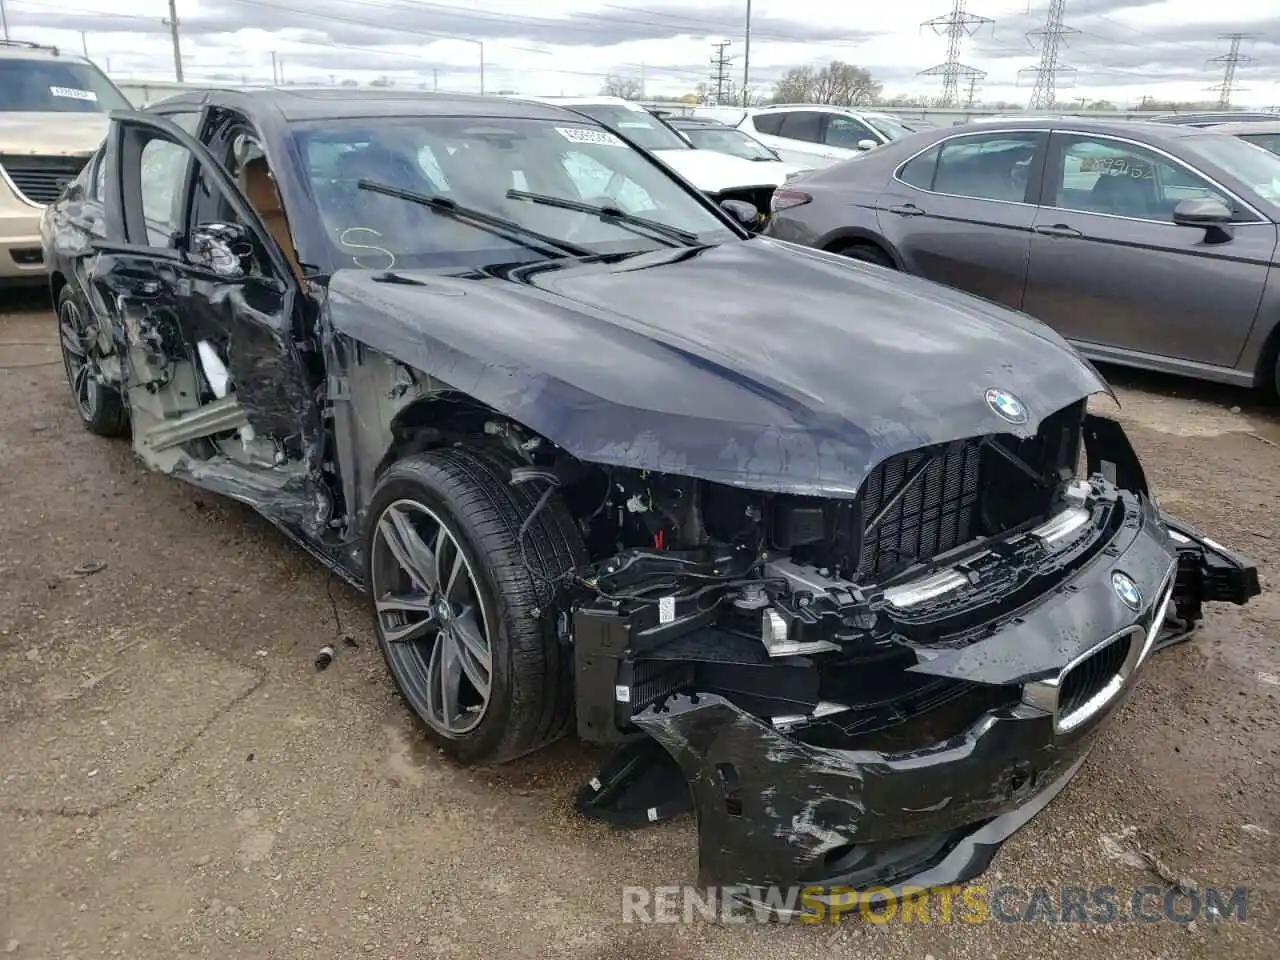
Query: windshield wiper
<point>608,215</point>
<point>508,229</point>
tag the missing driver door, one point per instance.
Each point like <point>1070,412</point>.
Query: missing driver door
<point>203,299</point>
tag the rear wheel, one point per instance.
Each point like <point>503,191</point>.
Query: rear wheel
<point>460,610</point>
<point>99,404</point>
<point>867,253</point>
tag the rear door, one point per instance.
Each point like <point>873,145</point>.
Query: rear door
<point>216,387</point>
<point>1110,268</point>
<point>960,212</point>
<point>797,136</point>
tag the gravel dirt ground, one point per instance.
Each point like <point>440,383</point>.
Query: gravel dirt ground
<point>176,779</point>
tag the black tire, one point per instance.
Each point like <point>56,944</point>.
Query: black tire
<point>530,697</point>
<point>867,253</point>
<point>100,406</point>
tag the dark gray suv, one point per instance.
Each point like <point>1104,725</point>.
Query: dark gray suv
<point>1145,244</point>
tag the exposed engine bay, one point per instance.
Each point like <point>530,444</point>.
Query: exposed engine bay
<point>802,608</point>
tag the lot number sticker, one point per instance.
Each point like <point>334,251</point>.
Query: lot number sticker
<point>71,93</point>
<point>601,138</point>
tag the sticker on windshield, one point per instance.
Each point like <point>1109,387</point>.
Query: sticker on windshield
<point>602,138</point>
<point>71,93</point>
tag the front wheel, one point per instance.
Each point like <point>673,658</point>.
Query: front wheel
<point>460,609</point>
<point>99,404</point>
<point>868,253</point>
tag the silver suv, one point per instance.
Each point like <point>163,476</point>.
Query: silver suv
<point>812,134</point>
<point>53,117</point>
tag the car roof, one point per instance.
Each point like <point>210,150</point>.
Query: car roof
<point>23,50</point>
<point>1205,116</point>
<point>584,101</point>
<point>1247,126</point>
<point>340,103</point>
<point>1115,128</point>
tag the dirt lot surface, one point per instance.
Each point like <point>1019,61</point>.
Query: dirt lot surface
<point>176,779</point>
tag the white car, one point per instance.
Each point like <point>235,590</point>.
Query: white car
<point>720,176</point>
<point>707,134</point>
<point>812,134</point>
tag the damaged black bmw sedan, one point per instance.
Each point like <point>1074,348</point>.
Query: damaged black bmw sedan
<point>835,556</point>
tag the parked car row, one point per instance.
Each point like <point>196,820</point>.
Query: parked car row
<point>794,535</point>
<point>53,116</point>
<point>1147,244</point>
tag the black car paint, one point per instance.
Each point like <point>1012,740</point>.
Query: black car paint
<point>1122,290</point>
<point>611,361</point>
<point>666,361</point>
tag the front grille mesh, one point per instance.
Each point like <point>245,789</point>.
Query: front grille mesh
<point>41,179</point>
<point>1091,674</point>
<point>938,513</point>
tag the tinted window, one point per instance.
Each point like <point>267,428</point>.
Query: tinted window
<point>919,171</point>
<point>1098,175</point>
<point>846,132</point>
<point>1260,169</point>
<point>803,125</point>
<point>892,127</point>
<point>729,140</point>
<point>56,86</point>
<point>768,123</point>
<point>1268,141</point>
<point>986,167</point>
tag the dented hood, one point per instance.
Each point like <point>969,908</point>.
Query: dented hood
<point>754,363</point>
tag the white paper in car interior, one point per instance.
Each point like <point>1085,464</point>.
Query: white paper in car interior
<point>582,135</point>
<point>72,93</point>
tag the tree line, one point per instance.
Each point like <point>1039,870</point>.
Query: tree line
<point>846,85</point>
<point>838,83</point>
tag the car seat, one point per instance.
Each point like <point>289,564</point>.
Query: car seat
<point>260,189</point>
<point>1124,195</point>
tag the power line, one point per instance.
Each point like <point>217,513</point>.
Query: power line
<point>955,28</point>
<point>1230,61</point>
<point>720,69</point>
<point>1051,37</point>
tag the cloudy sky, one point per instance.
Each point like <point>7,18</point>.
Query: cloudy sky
<point>1124,49</point>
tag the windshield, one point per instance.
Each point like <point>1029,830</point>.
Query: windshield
<point>635,123</point>
<point>476,163</point>
<point>891,127</point>
<point>1251,164</point>
<point>56,86</point>
<point>1268,141</point>
<point>730,141</point>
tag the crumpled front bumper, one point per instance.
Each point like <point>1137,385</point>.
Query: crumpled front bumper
<point>775,811</point>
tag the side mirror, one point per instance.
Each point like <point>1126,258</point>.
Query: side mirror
<point>1201,212</point>
<point>866,144</point>
<point>224,249</point>
<point>745,213</point>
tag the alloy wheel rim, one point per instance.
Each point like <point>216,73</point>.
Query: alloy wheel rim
<point>77,358</point>
<point>430,613</point>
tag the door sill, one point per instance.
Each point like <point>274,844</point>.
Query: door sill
<point>1119,356</point>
